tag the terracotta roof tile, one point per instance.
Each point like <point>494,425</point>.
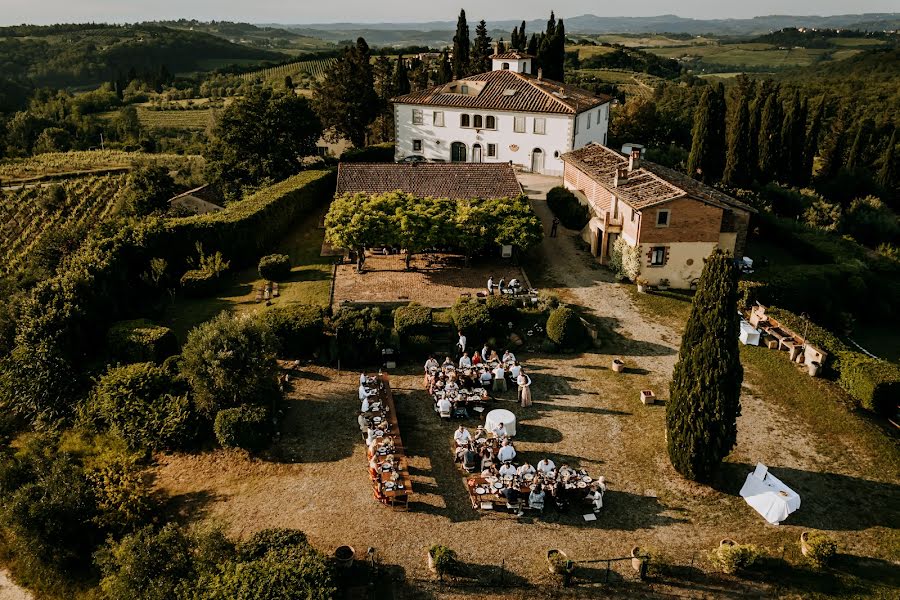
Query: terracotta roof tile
<point>434,180</point>
<point>510,91</point>
<point>512,55</point>
<point>647,186</point>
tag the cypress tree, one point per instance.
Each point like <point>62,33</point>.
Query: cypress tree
<point>855,157</point>
<point>513,39</point>
<point>887,174</point>
<point>698,159</point>
<point>501,46</point>
<point>559,52</point>
<point>793,140</point>
<point>833,148</point>
<point>481,49</point>
<point>737,160</point>
<point>770,138</point>
<point>533,44</point>
<point>705,393</point>
<point>545,46</point>
<point>461,47</point>
<point>401,78</point>
<point>811,147</point>
<point>522,42</point>
<point>445,70</point>
<point>717,145</point>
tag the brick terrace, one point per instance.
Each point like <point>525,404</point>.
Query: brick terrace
<point>435,285</point>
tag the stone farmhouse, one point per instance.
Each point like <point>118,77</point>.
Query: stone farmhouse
<point>506,115</point>
<point>676,221</point>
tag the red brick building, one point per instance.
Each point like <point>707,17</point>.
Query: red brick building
<point>676,221</point>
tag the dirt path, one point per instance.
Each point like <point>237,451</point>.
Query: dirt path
<point>579,279</point>
<point>10,591</point>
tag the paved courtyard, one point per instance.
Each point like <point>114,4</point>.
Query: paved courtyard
<point>432,283</point>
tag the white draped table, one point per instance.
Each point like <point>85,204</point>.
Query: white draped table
<point>769,496</point>
<point>501,415</point>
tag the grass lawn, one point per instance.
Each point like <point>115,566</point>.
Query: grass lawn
<point>309,282</point>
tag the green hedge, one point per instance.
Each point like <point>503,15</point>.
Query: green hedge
<point>565,329</point>
<point>358,335</point>
<point>140,340</point>
<point>412,319</point>
<point>63,324</point>
<point>503,309</point>
<point>472,318</point>
<point>198,283</point>
<point>378,153</point>
<point>572,213</point>
<point>247,427</point>
<point>299,328</point>
<point>873,382</point>
<point>275,267</point>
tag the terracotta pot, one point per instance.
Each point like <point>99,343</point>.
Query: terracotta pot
<point>647,397</point>
<point>804,544</point>
<point>343,555</point>
<point>727,542</point>
<point>431,566</point>
<point>642,289</point>
<point>554,565</point>
<point>618,365</point>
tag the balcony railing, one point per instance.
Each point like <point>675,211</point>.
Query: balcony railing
<point>610,222</point>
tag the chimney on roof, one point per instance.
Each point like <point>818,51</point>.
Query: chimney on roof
<point>540,74</point>
<point>621,176</point>
<point>634,161</point>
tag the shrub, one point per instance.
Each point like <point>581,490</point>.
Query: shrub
<point>571,213</point>
<point>140,340</point>
<point>821,548</point>
<point>275,267</point>
<point>230,361</point>
<point>547,301</point>
<point>298,328</point>
<point>625,259</point>
<point>246,427</point>
<point>122,493</point>
<point>472,318</point>
<point>417,345</point>
<point>142,405</point>
<point>730,558</point>
<point>873,382</point>
<point>564,328</point>
<point>376,153</point>
<point>197,283</point>
<point>269,540</point>
<point>444,558</point>
<point>412,319</point>
<point>749,293</point>
<point>358,335</point>
<point>502,309</point>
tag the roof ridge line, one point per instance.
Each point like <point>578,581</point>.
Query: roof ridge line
<point>529,81</point>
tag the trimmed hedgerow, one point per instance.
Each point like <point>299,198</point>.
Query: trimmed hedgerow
<point>564,328</point>
<point>140,340</point>
<point>275,267</point>
<point>816,335</point>
<point>412,319</point>
<point>572,213</point>
<point>246,427</point>
<point>502,309</point>
<point>299,328</point>
<point>472,318</point>
<point>378,153</point>
<point>198,283</point>
<point>358,335</point>
<point>873,382</point>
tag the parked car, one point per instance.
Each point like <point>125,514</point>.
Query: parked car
<point>413,158</point>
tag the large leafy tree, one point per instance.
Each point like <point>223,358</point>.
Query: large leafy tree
<point>346,100</point>
<point>481,49</point>
<point>149,190</point>
<point>461,48</point>
<point>260,139</point>
<point>704,396</point>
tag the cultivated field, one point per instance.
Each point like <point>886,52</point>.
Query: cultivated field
<point>59,163</point>
<point>193,118</point>
<point>314,68</point>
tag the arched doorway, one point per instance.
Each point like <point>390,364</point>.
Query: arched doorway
<point>537,161</point>
<point>457,152</point>
<point>476,153</point>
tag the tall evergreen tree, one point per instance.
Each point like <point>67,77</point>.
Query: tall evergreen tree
<point>522,44</point>
<point>861,141</point>
<point>793,140</point>
<point>545,47</point>
<point>832,152</point>
<point>702,132</point>
<point>501,46</point>
<point>717,143</point>
<point>401,78</point>
<point>887,174</point>
<point>559,52</point>
<point>461,48</point>
<point>737,160</point>
<point>811,148</point>
<point>705,393</point>
<point>533,45</point>
<point>445,70</point>
<point>481,49</point>
<point>770,138</point>
<point>419,74</point>
<point>346,100</point>
<point>513,39</point>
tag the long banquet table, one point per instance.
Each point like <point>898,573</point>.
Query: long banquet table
<point>380,392</point>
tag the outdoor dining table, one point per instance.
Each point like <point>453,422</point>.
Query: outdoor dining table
<point>498,416</point>
<point>397,490</point>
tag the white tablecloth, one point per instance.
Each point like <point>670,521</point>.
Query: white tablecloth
<point>770,497</point>
<point>500,415</point>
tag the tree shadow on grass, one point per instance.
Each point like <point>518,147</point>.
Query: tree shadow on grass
<point>317,430</point>
<point>190,506</point>
<point>538,433</point>
<point>543,406</point>
<point>847,576</point>
<point>826,497</point>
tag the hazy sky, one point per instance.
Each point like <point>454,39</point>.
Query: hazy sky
<point>307,11</point>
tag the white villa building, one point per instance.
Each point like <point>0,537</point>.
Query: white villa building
<point>504,115</point>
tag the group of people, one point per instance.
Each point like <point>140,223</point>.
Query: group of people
<point>514,286</point>
<point>523,484</point>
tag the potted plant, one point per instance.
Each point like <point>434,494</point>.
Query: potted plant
<point>647,397</point>
<point>642,284</point>
<point>640,559</point>
<point>730,557</point>
<point>618,365</point>
<point>558,562</point>
<point>440,559</point>
<point>343,556</point>
<point>818,547</point>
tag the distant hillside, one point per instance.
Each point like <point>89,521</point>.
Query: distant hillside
<point>877,65</point>
<point>84,54</point>
<point>825,38</point>
<point>272,38</point>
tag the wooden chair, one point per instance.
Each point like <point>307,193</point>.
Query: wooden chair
<point>400,502</point>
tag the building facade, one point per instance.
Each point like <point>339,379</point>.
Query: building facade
<point>503,115</point>
<point>674,221</point>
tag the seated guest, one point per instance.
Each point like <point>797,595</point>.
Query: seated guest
<point>486,379</point>
<point>461,436</point>
<point>546,466</point>
<point>362,392</point>
<point>499,379</point>
<point>362,379</point>
<point>565,472</point>
<point>499,431</point>
<point>596,495</point>
<point>508,357</point>
<point>506,453</point>
<point>488,470</point>
<point>470,459</point>
<point>492,357</point>
<point>525,470</point>
<point>447,362</point>
<point>476,358</point>
<point>432,363</point>
<point>464,361</point>
<point>365,405</point>
<point>508,470</point>
<point>536,498</point>
<point>451,387</point>
<point>444,405</point>
<point>363,422</point>
<point>512,496</point>
<point>487,457</point>
<point>515,371</point>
